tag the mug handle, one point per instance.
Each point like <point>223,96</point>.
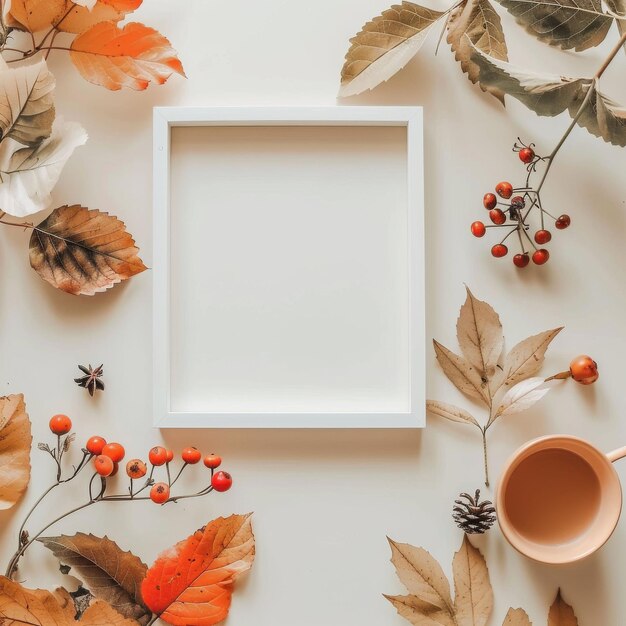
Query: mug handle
<point>620,453</point>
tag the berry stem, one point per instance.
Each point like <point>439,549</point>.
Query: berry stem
<point>560,376</point>
<point>484,433</point>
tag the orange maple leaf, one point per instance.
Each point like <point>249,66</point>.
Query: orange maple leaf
<point>191,584</point>
<point>132,56</point>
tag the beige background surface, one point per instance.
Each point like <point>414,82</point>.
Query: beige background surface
<point>324,501</point>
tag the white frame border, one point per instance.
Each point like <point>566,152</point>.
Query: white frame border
<point>164,119</point>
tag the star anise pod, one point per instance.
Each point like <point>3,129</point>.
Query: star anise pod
<point>92,380</point>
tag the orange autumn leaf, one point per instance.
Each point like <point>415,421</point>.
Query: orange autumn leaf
<point>35,15</point>
<point>132,56</point>
<point>74,18</point>
<point>191,584</point>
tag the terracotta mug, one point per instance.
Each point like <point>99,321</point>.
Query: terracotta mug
<point>559,499</point>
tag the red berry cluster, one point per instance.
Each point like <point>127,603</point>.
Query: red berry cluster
<point>511,208</point>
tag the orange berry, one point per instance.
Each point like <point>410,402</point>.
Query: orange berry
<point>191,455</point>
<point>157,455</point>
<point>115,451</point>
<point>103,465</point>
<point>222,481</point>
<point>160,493</point>
<point>212,461</point>
<point>60,424</point>
<point>136,468</point>
<point>584,370</point>
<point>95,445</point>
<point>504,190</point>
<point>169,455</point>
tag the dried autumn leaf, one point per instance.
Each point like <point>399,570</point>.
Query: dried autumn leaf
<point>28,174</point>
<point>474,23</point>
<point>577,24</point>
<point>26,104</point>
<point>191,584</point>
<point>83,251</point>
<point>35,15</point>
<point>462,374</point>
<point>451,412</point>
<point>527,356</point>
<point>479,332</point>
<point>19,606</point>
<point>15,443</point>
<point>420,573</point>
<point>132,56</point>
<point>74,18</point>
<point>419,612</point>
<point>561,613</point>
<point>109,573</point>
<point>601,117</point>
<point>385,45</point>
<point>544,94</point>
<point>521,397</point>
<point>473,595</point>
<point>516,617</point>
<point>618,7</point>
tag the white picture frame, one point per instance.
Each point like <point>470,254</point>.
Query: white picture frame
<point>166,120</point>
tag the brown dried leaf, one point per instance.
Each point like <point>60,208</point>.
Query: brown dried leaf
<point>83,251</point>
<point>385,45</point>
<point>527,356</point>
<point>473,594</point>
<point>109,573</point>
<point>516,617</point>
<point>419,612</point>
<point>479,332</point>
<point>619,8</point>
<point>577,24</point>
<point>19,606</point>
<point>462,374</point>
<point>450,412</point>
<point>420,573</point>
<point>561,613</point>
<point>15,443</point>
<point>474,23</point>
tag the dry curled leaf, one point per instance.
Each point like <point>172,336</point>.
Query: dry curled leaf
<point>516,617</point>
<point>479,332</point>
<point>577,24</point>
<point>83,251</point>
<point>191,584</point>
<point>419,612</point>
<point>108,572</point>
<point>19,606</point>
<point>26,104</point>
<point>561,613</point>
<point>451,412</point>
<point>74,18</point>
<point>132,56</point>
<point>474,23</point>
<point>385,45</point>
<point>521,397</point>
<point>473,599</point>
<point>35,15</point>
<point>15,444</point>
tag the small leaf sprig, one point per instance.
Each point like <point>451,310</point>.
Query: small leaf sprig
<point>430,599</point>
<point>505,385</point>
<point>104,458</point>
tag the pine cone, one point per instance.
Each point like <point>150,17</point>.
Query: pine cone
<point>473,517</point>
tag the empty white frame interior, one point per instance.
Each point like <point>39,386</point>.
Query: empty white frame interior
<point>288,267</point>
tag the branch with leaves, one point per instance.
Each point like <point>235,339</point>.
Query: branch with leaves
<point>505,385</point>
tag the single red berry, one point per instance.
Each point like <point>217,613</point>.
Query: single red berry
<point>518,202</point>
<point>60,424</point>
<point>504,190</point>
<point>540,256</point>
<point>222,481</point>
<point>526,155</point>
<point>499,250</point>
<point>584,370</point>
<point>95,445</point>
<point>478,229</point>
<point>160,493</point>
<point>212,461</point>
<point>115,451</point>
<point>521,260</point>
<point>497,216</point>
<point>169,455</point>
<point>157,455</point>
<point>490,201</point>
<point>136,468</point>
<point>191,455</point>
<point>543,236</point>
<point>563,222</point>
<point>103,465</point>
